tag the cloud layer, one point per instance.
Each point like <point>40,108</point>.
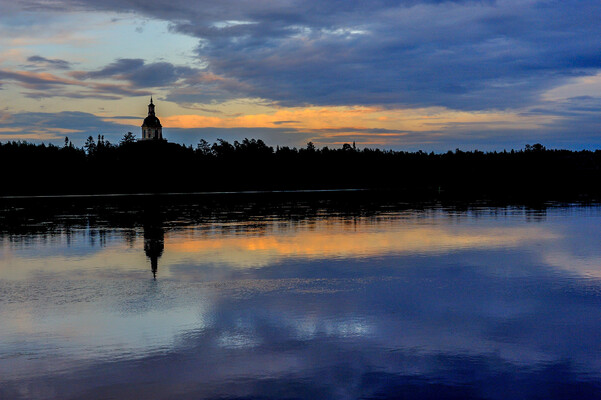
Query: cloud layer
<point>484,58</point>
<point>467,55</point>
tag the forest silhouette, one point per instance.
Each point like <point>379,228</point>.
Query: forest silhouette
<point>158,166</point>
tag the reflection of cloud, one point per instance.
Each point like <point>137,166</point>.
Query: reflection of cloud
<point>236,340</point>
<point>269,243</point>
<point>447,315</point>
<point>341,241</point>
<point>588,266</point>
<point>428,323</point>
<point>116,257</point>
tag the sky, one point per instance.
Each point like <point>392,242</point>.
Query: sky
<point>405,74</point>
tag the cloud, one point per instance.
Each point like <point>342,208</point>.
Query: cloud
<point>44,84</point>
<point>80,94</point>
<point>35,80</point>
<point>285,122</point>
<point>518,60</point>
<point>35,126</point>
<point>468,55</point>
<point>42,62</point>
<point>139,74</point>
<point>53,127</point>
<point>435,129</point>
<point>122,78</point>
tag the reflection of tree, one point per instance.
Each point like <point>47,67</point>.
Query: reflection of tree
<point>536,214</point>
<point>154,242</point>
<point>130,238</point>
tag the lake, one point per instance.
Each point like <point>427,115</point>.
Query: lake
<point>298,299</point>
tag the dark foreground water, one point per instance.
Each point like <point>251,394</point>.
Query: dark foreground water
<point>301,301</point>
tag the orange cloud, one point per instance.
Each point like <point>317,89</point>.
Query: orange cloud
<point>30,79</point>
<point>25,136</point>
<point>312,117</point>
<point>13,133</point>
<point>373,124</point>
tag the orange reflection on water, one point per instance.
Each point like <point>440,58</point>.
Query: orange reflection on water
<point>257,244</point>
<point>271,243</point>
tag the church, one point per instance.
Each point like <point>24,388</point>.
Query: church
<point>152,128</point>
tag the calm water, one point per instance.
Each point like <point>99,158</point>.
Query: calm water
<point>301,301</point>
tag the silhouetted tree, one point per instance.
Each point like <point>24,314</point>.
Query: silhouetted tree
<point>128,138</point>
<point>251,164</point>
<point>222,148</point>
<point>538,147</point>
<point>204,148</point>
<point>90,145</point>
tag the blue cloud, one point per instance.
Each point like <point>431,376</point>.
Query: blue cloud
<point>469,55</point>
<point>83,124</point>
<point>459,54</point>
<point>39,62</point>
<point>464,55</point>
<point>140,74</point>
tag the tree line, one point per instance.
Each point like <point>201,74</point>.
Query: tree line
<point>132,166</point>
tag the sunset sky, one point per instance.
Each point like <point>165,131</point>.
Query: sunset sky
<point>405,74</point>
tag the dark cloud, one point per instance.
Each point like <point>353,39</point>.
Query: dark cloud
<point>464,55</point>
<point>90,91</point>
<point>116,89</point>
<point>459,54</point>
<point>118,68</point>
<point>44,85</point>
<point>80,94</point>
<point>284,122</point>
<point>140,74</point>
<point>39,61</point>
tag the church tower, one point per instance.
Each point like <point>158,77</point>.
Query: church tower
<point>151,128</point>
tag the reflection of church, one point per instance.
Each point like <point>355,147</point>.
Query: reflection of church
<point>154,243</point>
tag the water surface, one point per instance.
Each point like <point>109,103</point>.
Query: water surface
<point>302,301</point>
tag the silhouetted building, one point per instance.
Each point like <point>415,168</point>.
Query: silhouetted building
<point>152,128</point>
<point>154,243</point>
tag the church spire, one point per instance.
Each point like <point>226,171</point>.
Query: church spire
<point>151,128</point>
<point>151,107</point>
